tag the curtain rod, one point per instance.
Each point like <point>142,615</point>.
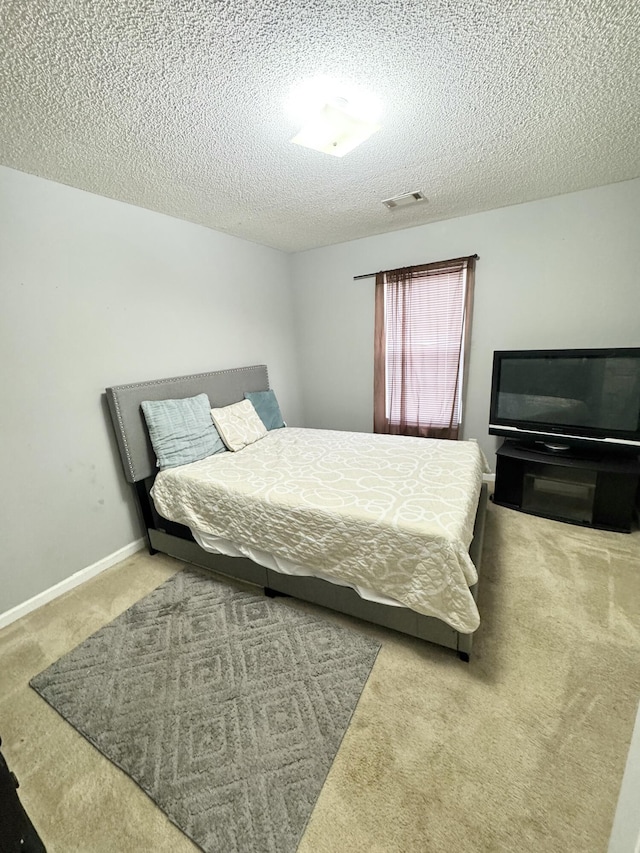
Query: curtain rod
<point>374,274</point>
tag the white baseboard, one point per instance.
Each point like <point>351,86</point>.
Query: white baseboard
<point>70,582</point>
<point>489,478</point>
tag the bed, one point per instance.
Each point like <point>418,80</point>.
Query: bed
<point>334,518</point>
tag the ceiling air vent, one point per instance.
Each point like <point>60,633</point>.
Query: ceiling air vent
<point>404,200</point>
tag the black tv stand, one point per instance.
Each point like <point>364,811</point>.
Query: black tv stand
<point>577,486</point>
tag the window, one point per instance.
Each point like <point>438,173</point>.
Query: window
<point>422,332</point>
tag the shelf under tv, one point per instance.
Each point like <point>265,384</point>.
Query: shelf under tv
<point>580,487</point>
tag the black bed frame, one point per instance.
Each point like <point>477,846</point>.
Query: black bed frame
<point>224,387</point>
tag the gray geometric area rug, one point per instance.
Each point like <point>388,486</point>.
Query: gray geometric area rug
<point>226,708</point>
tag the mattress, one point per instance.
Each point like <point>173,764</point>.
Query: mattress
<point>391,514</point>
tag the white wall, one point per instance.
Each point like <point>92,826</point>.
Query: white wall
<point>96,293</point>
<point>625,833</point>
<point>561,272</point>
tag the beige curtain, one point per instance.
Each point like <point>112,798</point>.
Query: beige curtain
<point>422,336</point>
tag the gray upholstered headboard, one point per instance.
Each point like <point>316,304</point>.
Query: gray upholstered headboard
<point>222,386</point>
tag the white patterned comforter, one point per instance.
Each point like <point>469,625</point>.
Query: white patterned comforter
<point>389,513</point>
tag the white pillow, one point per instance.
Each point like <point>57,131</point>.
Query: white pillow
<point>238,424</point>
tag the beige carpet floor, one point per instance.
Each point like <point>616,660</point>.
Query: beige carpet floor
<point>521,750</point>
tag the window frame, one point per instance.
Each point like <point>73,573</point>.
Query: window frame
<point>414,423</point>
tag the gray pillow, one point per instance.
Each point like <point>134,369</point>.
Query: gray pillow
<point>181,431</point>
<point>266,405</point>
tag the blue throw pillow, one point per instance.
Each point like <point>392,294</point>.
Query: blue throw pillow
<point>181,431</point>
<point>266,405</point>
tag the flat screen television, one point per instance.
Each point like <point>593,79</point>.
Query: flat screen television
<point>568,398</point>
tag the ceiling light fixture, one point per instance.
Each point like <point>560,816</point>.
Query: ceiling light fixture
<point>332,123</point>
<point>333,130</point>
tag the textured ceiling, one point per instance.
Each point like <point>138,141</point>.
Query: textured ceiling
<point>180,106</point>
